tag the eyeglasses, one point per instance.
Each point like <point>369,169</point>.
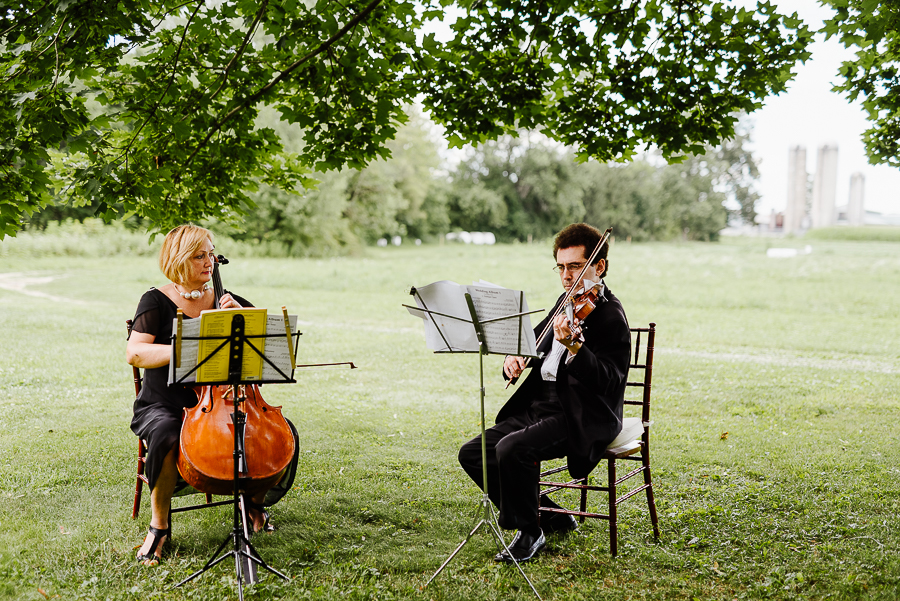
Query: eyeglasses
<point>571,268</point>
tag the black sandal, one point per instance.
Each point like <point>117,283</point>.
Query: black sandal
<point>267,527</point>
<point>157,536</point>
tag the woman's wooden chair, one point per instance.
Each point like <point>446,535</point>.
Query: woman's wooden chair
<point>141,459</point>
<point>632,444</point>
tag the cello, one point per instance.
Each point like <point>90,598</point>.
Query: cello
<point>207,454</point>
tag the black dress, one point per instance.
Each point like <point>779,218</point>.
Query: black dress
<point>158,408</point>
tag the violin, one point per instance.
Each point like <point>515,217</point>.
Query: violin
<point>586,302</point>
<point>579,307</point>
<point>206,457</point>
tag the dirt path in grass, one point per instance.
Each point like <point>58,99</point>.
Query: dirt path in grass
<point>19,282</point>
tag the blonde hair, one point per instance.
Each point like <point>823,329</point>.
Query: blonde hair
<point>178,248</point>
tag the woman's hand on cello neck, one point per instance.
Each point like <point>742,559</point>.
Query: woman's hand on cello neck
<point>228,302</point>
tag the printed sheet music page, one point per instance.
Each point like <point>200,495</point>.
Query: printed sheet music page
<point>512,336</point>
<point>449,326</point>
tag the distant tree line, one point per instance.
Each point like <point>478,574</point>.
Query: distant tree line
<point>521,190</point>
<point>518,188</point>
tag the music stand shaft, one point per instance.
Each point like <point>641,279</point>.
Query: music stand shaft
<point>242,549</point>
<point>488,517</point>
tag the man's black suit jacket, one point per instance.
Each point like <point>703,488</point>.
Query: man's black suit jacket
<point>591,388</point>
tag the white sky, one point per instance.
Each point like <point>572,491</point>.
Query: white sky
<point>810,114</point>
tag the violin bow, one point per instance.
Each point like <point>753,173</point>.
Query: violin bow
<point>570,294</point>
<point>217,285</point>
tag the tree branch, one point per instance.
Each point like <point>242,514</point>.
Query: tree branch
<point>56,53</point>
<point>171,79</point>
<point>22,22</point>
<point>250,31</point>
<point>55,39</point>
<point>168,12</point>
<point>53,44</point>
<point>281,77</point>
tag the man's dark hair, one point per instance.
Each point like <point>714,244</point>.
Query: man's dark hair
<point>582,234</point>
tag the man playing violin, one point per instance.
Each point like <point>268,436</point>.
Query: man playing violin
<point>569,405</point>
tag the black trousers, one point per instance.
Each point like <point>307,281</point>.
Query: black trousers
<point>515,449</point>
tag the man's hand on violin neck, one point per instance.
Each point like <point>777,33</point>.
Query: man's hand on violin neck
<point>513,366</point>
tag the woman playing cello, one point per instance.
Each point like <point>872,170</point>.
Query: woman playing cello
<point>187,260</point>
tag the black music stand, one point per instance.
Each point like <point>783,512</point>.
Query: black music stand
<point>485,515</point>
<point>246,557</point>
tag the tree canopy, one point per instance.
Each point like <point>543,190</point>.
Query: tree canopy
<point>873,29</point>
<point>150,107</point>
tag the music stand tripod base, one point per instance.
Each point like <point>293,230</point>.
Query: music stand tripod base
<point>490,520</point>
<point>246,558</point>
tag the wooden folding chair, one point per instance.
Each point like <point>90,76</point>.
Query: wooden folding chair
<point>632,444</point>
<point>142,457</point>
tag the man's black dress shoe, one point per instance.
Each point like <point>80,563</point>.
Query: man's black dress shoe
<point>523,547</point>
<point>558,522</point>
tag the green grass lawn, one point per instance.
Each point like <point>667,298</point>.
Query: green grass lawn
<point>796,359</point>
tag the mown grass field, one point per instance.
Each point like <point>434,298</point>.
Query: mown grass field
<point>798,360</point>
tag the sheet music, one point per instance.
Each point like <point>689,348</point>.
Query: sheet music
<point>485,283</point>
<point>512,336</point>
<point>218,322</point>
<point>189,350</point>
<point>446,297</point>
<point>508,336</point>
<point>277,349</point>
